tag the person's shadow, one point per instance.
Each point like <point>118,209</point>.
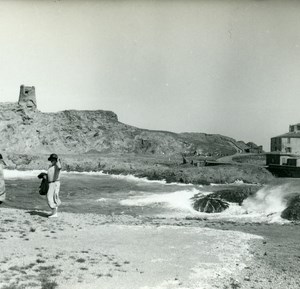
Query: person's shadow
<point>38,213</point>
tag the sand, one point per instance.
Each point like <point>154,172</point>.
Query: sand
<point>97,251</point>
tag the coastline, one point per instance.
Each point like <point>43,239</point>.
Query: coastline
<point>88,251</point>
<point>168,168</point>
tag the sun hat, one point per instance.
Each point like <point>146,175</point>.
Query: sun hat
<point>53,157</point>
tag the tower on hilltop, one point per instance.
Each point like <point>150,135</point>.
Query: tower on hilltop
<point>27,97</point>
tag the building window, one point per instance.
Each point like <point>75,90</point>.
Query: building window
<point>288,150</point>
<point>289,140</point>
<point>292,128</point>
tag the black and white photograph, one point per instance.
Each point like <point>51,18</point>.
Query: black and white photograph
<point>149,144</point>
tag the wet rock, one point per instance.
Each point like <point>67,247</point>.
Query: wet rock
<point>208,204</point>
<point>292,212</point>
<point>236,194</point>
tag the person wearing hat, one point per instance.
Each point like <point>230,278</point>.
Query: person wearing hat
<point>53,175</point>
<point>2,183</point>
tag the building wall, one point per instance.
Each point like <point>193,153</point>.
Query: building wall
<point>295,128</point>
<point>285,145</point>
<point>290,145</point>
<point>273,159</point>
<point>276,144</point>
<point>27,96</point>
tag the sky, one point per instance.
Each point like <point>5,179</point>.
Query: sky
<point>218,67</point>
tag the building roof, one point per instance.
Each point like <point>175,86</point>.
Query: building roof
<point>289,134</point>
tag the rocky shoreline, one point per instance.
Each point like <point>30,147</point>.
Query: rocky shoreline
<point>168,168</point>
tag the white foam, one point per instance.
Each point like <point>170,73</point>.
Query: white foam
<point>179,200</point>
<point>265,206</point>
<point>236,182</point>
<point>102,200</point>
<point>92,173</point>
<point>269,202</point>
<point>15,174</point>
<point>136,179</point>
<point>144,179</point>
<point>18,174</point>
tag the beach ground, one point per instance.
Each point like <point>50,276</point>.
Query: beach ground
<point>97,251</point>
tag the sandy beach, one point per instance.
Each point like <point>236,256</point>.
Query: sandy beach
<point>97,251</point>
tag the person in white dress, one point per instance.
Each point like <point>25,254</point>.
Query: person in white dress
<point>2,183</point>
<point>53,175</point>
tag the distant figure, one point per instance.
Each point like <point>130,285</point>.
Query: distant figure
<point>53,175</point>
<point>2,183</point>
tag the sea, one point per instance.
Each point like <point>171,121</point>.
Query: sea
<point>100,193</point>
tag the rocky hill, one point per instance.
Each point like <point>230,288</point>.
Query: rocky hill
<point>96,140</point>
<point>28,131</point>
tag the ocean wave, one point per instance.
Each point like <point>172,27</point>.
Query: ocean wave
<point>179,200</point>
<point>264,207</point>
<point>18,174</point>
<point>15,174</point>
<point>236,182</point>
<point>136,179</point>
<point>92,173</point>
<point>102,200</point>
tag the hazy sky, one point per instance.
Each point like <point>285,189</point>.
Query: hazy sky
<point>228,67</point>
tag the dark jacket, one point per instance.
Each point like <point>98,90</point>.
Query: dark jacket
<point>44,186</point>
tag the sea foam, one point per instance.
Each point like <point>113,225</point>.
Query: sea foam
<point>179,200</point>
<point>18,174</point>
<point>15,174</point>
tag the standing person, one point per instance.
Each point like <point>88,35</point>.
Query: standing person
<point>2,183</point>
<point>54,184</point>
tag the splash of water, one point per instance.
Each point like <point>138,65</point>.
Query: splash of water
<point>179,200</point>
<point>271,200</point>
<point>15,174</point>
<point>268,200</point>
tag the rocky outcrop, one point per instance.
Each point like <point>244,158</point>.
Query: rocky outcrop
<point>235,194</point>
<point>24,129</point>
<point>292,211</point>
<point>208,204</point>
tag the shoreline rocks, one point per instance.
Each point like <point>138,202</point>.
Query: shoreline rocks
<point>151,167</point>
<point>209,204</point>
<point>292,211</point>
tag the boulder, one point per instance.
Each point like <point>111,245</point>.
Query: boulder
<point>208,204</point>
<point>292,211</point>
<point>236,194</point>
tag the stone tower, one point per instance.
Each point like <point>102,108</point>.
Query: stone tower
<point>27,97</point>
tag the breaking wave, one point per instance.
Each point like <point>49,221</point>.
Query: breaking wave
<point>18,174</point>
<point>175,200</point>
<point>179,200</point>
<point>265,206</point>
<point>15,174</point>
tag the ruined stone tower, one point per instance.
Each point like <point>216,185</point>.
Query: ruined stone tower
<point>27,97</point>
